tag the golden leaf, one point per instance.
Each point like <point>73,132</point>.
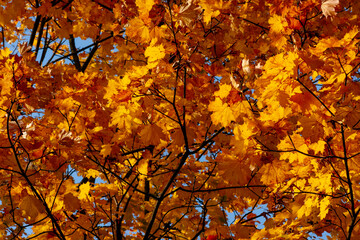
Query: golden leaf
<point>154,53</point>
<point>84,191</point>
<point>222,113</point>
<point>324,207</point>
<point>144,6</point>
<point>307,208</point>
<point>143,168</point>
<point>209,12</point>
<point>277,24</point>
<point>224,91</point>
<point>106,150</point>
<point>92,173</point>
<point>138,30</point>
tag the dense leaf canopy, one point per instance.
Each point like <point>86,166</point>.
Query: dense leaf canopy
<point>172,119</point>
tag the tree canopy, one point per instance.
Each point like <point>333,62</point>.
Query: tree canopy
<point>172,119</point>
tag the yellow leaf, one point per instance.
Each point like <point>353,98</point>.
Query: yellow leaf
<point>277,24</point>
<point>124,118</point>
<point>124,82</point>
<point>115,85</point>
<point>92,173</point>
<point>314,74</point>
<point>106,150</point>
<point>279,41</point>
<point>138,71</point>
<point>209,10</point>
<point>323,183</point>
<point>143,168</point>
<point>144,6</point>
<point>318,147</point>
<point>84,190</point>
<point>285,144</point>
<point>6,85</point>
<point>325,43</point>
<point>332,79</point>
<point>154,53</point>
<point>222,114</point>
<point>307,208</point>
<point>324,207</point>
<point>349,36</point>
<point>138,30</point>
<point>4,53</point>
<point>274,172</point>
<point>275,114</point>
<point>244,130</point>
<point>224,91</point>
<point>97,129</point>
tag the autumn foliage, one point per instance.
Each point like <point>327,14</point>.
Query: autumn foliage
<point>172,119</point>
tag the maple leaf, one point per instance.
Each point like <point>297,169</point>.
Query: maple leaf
<point>144,6</point>
<point>318,147</point>
<point>209,12</point>
<point>274,172</point>
<point>224,91</point>
<point>277,24</point>
<point>222,114</point>
<point>137,29</point>
<point>115,85</point>
<point>32,206</point>
<point>71,202</point>
<point>84,191</point>
<point>309,205</point>
<point>122,118</point>
<point>92,173</point>
<point>143,169</point>
<point>152,134</point>
<point>322,183</point>
<point>154,53</point>
<point>324,207</point>
<point>106,150</point>
<point>274,116</point>
<point>244,131</point>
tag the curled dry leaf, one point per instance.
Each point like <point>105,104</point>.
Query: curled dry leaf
<point>328,7</point>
